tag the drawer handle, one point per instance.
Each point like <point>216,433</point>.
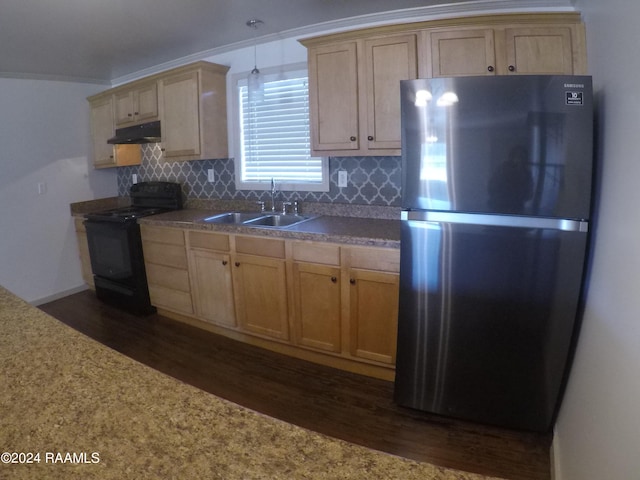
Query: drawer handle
<point>512,68</point>
<point>334,279</point>
<point>490,68</point>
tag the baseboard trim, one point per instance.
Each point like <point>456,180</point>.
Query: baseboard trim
<point>59,295</point>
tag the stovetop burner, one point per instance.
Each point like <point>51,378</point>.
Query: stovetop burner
<point>148,198</point>
<point>124,214</point>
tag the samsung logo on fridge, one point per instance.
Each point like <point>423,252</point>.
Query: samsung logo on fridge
<point>574,85</point>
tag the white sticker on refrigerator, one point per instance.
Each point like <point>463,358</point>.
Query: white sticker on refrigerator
<point>574,98</point>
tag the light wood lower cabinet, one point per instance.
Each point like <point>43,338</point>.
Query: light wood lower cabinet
<point>165,259</point>
<point>261,295</point>
<point>83,249</point>
<point>373,282</point>
<point>213,289</point>
<point>337,303</point>
<point>317,321</point>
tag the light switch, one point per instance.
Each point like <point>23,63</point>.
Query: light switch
<point>211,176</point>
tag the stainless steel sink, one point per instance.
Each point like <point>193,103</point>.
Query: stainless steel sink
<point>277,221</point>
<point>264,220</point>
<point>231,218</point>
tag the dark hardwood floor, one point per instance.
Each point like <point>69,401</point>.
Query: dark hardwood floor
<point>343,405</point>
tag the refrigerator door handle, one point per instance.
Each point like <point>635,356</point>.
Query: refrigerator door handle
<point>564,224</point>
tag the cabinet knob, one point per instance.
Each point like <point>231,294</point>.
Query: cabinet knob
<point>512,68</point>
<point>334,279</point>
<point>224,262</point>
<point>352,281</point>
<point>490,68</point>
<point>237,264</point>
<point>135,113</point>
<point>370,138</point>
<point>353,139</point>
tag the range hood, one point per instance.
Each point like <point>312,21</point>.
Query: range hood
<point>143,133</point>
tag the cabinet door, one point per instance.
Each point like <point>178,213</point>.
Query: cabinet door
<point>463,53</point>
<point>179,107</point>
<point>146,103</point>
<point>261,295</point>
<point>317,306</point>
<point>136,106</point>
<point>373,316</point>
<point>388,60</point>
<point>212,288</point>
<point>539,50</point>
<point>102,128</point>
<point>83,250</point>
<point>333,97</point>
<point>123,107</point>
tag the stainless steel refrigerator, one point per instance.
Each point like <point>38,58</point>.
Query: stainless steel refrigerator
<point>496,197</point>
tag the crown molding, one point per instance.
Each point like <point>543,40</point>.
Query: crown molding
<point>426,13</point>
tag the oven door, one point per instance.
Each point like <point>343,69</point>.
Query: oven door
<point>112,248</point>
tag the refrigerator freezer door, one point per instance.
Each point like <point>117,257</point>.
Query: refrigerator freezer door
<point>518,145</point>
<point>486,320</point>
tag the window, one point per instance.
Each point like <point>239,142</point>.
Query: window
<point>273,136</point>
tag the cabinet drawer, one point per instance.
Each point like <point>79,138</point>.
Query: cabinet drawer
<point>173,278</point>
<point>387,260</point>
<point>260,246</point>
<point>163,254</point>
<point>210,241</point>
<point>316,253</point>
<point>170,299</point>
<point>171,236</point>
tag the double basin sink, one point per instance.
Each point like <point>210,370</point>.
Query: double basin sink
<point>263,220</point>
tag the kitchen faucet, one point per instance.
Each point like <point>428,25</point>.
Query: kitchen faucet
<point>273,195</point>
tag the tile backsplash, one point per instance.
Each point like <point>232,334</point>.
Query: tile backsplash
<point>372,180</point>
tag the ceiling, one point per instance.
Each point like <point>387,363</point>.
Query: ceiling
<point>101,40</point>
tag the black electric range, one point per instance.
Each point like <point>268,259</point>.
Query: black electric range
<point>115,245</point>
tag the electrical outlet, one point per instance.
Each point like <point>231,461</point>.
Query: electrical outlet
<point>211,176</point>
<point>342,178</point>
<point>134,178</point>
<point>42,188</point>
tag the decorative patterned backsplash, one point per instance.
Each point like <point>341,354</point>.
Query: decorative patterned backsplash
<point>372,180</point>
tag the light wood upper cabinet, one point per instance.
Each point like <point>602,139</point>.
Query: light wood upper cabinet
<point>462,52</point>
<point>388,60</point>
<point>516,50</point>
<point>136,105</point>
<point>354,94</point>
<point>190,101</point>
<point>102,129</point>
<point>333,98</point>
<point>540,50</point>
<point>193,112</point>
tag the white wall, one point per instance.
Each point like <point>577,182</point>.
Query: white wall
<point>44,138</point>
<point>598,431</point>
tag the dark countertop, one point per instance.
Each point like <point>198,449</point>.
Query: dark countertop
<point>340,223</point>
<point>326,228</point>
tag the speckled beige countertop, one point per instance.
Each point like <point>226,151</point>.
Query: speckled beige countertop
<point>340,223</point>
<point>75,401</point>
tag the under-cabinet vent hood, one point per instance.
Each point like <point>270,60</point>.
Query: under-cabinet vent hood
<point>143,133</point>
